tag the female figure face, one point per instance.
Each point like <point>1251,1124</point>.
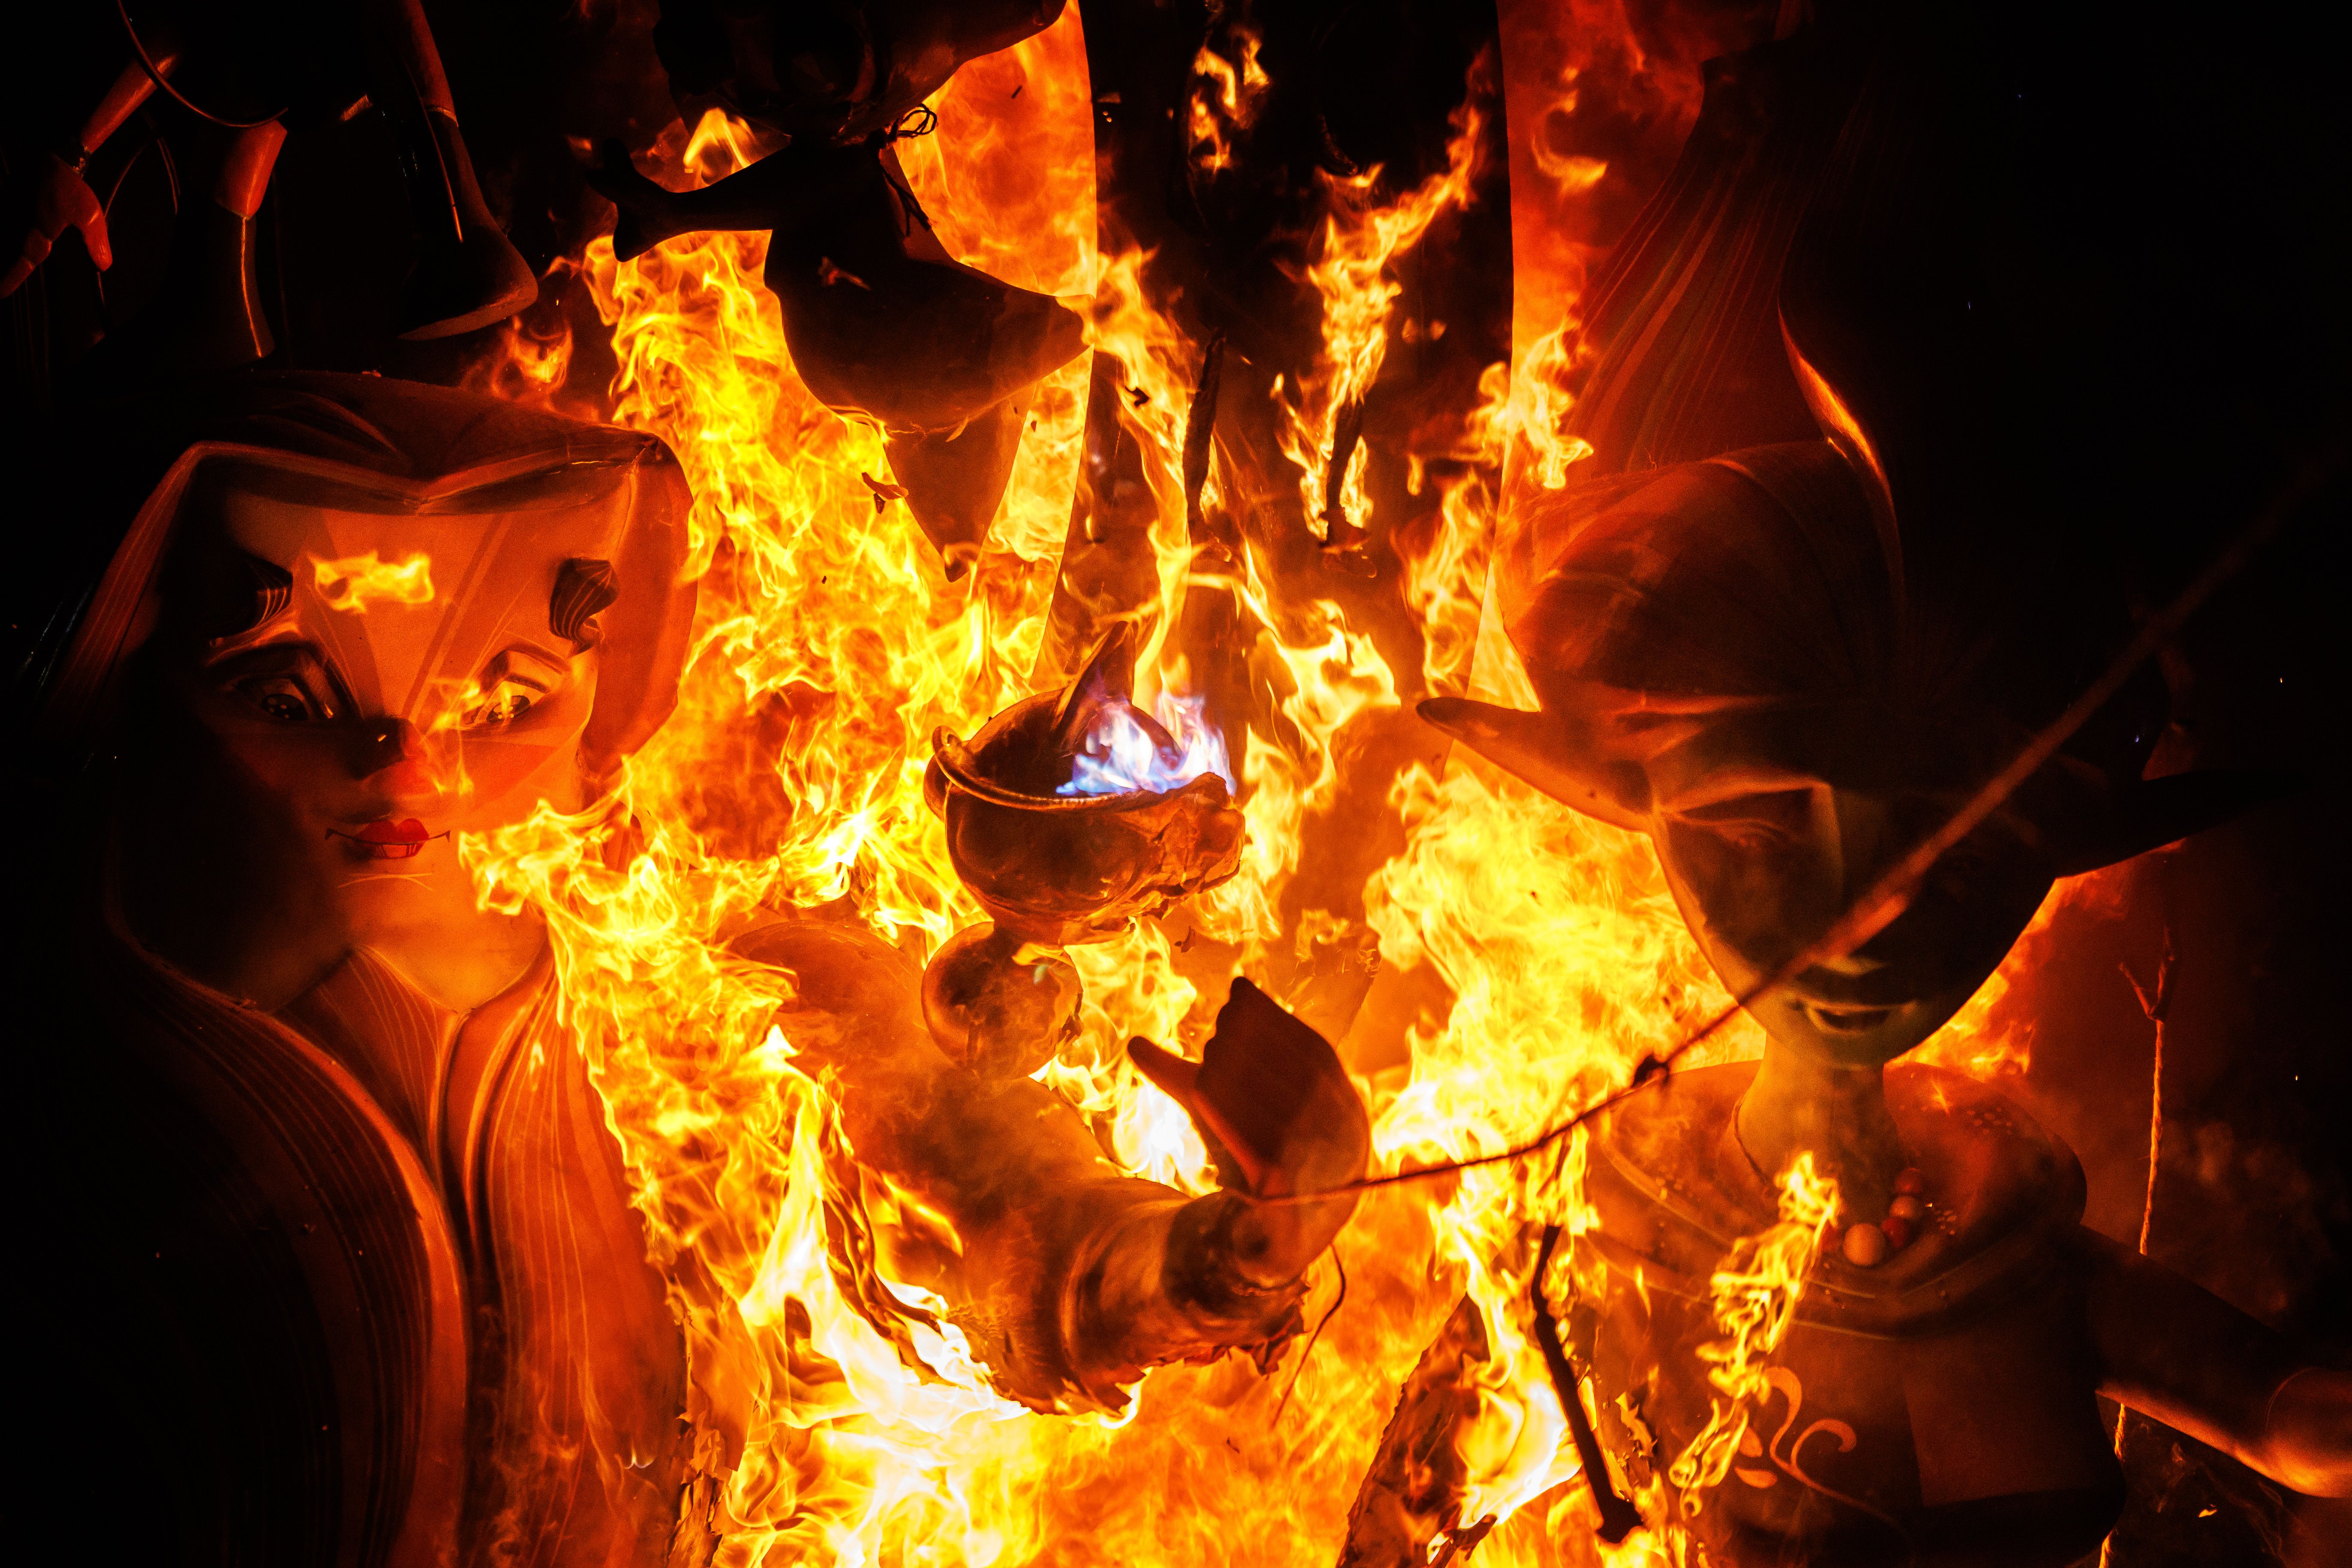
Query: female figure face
<point>408,687</point>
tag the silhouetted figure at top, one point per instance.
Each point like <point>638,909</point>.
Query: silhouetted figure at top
<point>883,323</point>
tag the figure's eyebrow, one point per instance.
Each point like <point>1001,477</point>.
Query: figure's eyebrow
<point>283,655</point>
<point>1736,807</point>
<point>284,649</point>
<point>1709,793</point>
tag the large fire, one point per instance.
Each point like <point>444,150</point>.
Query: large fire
<point>853,1426</point>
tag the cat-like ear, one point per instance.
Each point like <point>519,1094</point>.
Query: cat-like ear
<point>1538,748</point>
<point>2153,812</point>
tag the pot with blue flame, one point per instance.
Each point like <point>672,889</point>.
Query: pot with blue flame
<point>1068,815</point>
<point>1072,812</point>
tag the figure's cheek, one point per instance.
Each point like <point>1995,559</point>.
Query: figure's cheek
<point>302,774</point>
<point>1755,901</point>
<point>509,770</point>
<point>506,778</point>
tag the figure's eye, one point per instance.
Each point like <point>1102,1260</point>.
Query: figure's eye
<point>284,698</point>
<point>508,701</point>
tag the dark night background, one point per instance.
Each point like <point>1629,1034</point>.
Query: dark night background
<point>2207,295</point>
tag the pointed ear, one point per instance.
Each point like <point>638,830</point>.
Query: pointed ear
<point>1535,747</point>
<point>2154,813</point>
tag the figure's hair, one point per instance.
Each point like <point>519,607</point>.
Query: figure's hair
<point>1760,579</point>
<point>583,588</point>
<point>268,590</point>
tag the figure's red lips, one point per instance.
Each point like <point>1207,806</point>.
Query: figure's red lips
<point>386,840</point>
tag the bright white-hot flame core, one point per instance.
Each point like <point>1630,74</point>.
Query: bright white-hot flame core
<point>1120,754</point>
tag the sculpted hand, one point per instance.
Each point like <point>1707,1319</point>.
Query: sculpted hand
<point>1280,1119</point>
<point>61,200</point>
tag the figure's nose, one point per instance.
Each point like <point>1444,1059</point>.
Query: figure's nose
<point>395,759</point>
<point>1867,842</point>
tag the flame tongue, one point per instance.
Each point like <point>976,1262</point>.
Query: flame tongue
<point>1549,947</point>
<point>1124,749</point>
<point>1114,747</point>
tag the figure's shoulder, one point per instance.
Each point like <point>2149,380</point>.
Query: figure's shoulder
<point>1666,1177</point>
<point>1989,1165</point>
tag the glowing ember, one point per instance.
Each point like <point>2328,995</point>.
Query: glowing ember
<point>1126,750</point>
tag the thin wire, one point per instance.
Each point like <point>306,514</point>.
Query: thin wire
<point>919,120</point>
<point>1888,898</point>
<point>1330,1312</point>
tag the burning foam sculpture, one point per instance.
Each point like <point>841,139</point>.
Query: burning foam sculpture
<point>882,322</point>
<point>1068,815</point>
<point>396,1305</point>
<point>357,1273</point>
<point>1725,668</point>
<point>1782,629</point>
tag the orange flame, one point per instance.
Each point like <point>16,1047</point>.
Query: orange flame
<point>1226,93</point>
<point>1756,1292</point>
<point>351,582</point>
<point>1362,240</point>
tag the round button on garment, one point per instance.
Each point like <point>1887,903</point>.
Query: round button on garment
<point>1865,1244</point>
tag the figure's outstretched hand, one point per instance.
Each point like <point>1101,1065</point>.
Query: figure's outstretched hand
<point>2174,1350</point>
<point>61,200</point>
<point>1280,1119</point>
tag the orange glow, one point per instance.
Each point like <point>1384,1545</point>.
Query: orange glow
<point>1981,1040</point>
<point>351,582</point>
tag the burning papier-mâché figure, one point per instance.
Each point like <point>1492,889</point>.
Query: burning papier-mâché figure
<point>233,83</point>
<point>1725,669</point>
<point>883,323</point>
<point>1789,656</point>
<point>350,1270</point>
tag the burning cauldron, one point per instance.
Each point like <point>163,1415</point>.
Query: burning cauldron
<point>1053,827</point>
<point>1054,824</point>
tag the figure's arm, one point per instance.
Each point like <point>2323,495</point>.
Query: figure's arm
<point>2173,1350</point>
<point>1070,1278</point>
<point>61,198</point>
